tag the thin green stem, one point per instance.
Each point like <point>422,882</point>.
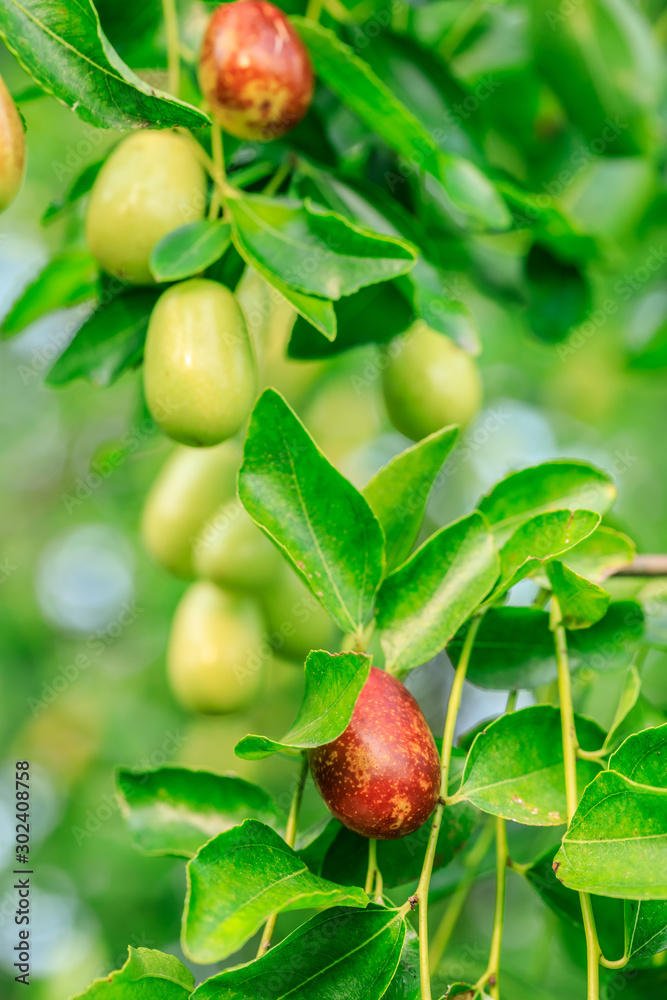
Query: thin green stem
<point>314,9</point>
<point>219,164</point>
<point>173,46</point>
<point>379,886</point>
<point>491,975</point>
<point>472,861</point>
<point>372,866</point>
<point>277,179</point>
<point>290,837</point>
<point>421,895</point>
<point>570,747</point>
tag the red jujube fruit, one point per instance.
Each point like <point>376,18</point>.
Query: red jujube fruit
<point>381,777</point>
<point>255,71</point>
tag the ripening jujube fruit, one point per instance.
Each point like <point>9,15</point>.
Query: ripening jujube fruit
<point>233,552</point>
<point>200,374</point>
<point>254,70</point>
<point>216,658</point>
<point>429,383</point>
<point>189,487</point>
<point>297,620</point>
<point>151,184</point>
<point>381,777</point>
<point>12,148</point>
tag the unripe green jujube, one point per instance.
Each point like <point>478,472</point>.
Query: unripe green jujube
<point>189,487</point>
<point>151,184</point>
<point>429,382</point>
<point>233,552</point>
<point>216,658</point>
<point>200,375</point>
<point>12,148</point>
<point>297,620</point>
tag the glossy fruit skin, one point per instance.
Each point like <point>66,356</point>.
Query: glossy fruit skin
<point>200,375</point>
<point>381,777</point>
<point>297,620</point>
<point>233,552</point>
<point>254,70</point>
<point>12,148</point>
<point>429,382</point>
<point>189,487</point>
<point>152,183</point>
<point>216,656</point>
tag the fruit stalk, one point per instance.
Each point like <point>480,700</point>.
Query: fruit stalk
<point>569,737</point>
<point>290,837</point>
<point>421,895</point>
<point>173,46</point>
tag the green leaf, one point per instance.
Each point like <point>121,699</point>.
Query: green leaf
<point>340,953</point>
<point>397,494</point>
<point>146,975</point>
<point>423,603</point>
<point>550,486</point>
<point>582,603</point>
<point>616,844</point>
<point>539,539</point>
<point>645,927</point>
<point>626,702</point>
<point>559,295</point>
<point>317,312</point>
<point>564,902</point>
<point>642,757</point>
<point>174,810</point>
<point>66,280</point>
<point>312,513</point>
<point>514,647</point>
<point>358,87</point>
<point>342,856</point>
<point>62,47</point>
<point>311,249</point>
<point>406,984</point>
<point>189,249</point>
<point>238,879</point>
<point>333,684</point>
<point>515,766</point>
<point>110,341</point>
<point>597,556</point>
<point>82,185</point>
<point>373,315</point>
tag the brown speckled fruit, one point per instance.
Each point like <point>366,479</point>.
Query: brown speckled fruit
<point>381,777</point>
<point>254,70</point>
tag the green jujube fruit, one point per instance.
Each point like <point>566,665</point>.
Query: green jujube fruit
<point>12,148</point>
<point>189,487</point>
<point>217,654</point>
<point>429,382</point>
<point>297,621</point>
<point>232,551</point>
<point>200,375</point>
<point>152,183</point>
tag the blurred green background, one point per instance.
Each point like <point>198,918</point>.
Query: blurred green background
<point>84,614</point>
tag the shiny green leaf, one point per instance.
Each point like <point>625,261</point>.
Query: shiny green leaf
<point>62,47</point>
<point>318,520</point>
<point>189,249</point>
<point>422,604</point>
<point>174,810</point>
<point>515,766</point>
<point>340,953</point>
<point>238,879</point>
<point>581,602</point>
<point>333,684</point>
<point>397,494</point>
<point>67,279</point>
<point>146,975</point>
